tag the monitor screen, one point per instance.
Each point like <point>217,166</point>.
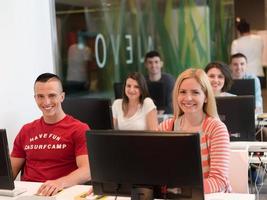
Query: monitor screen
<point>125,162</point>
<point>6,177</point>
<point>118,87</point>
<point>238,114</point>
<point>156,92</point>
<point>95,112</point>
<point>243,87</point>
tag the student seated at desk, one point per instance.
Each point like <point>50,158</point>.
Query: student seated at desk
<point>51,149</point>
<point>154,65</point>
<point>195,111</point>
<point>238,67</point>
<point>220,78</point>
<point>135,111</point>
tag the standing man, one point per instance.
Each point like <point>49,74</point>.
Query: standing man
<point>238,67</point>
<point>51,149</point>
<point>251,46</point>
<point>154,64</point>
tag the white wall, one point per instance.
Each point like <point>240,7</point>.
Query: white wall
<point>25,52</point>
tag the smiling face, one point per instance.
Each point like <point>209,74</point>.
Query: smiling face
<point>49,96</point>
<point>216,79</point>
<point>238,66</point>
<point>154,65</point>
<point>191,97</point>
<point>132,90</point>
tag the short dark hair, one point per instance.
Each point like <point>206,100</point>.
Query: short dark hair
<point>225,69</point>
<point>152,54</point>
<point>139,78</point>
<point>46,77</point>
<point>238,55</point>
<point>243,26</point>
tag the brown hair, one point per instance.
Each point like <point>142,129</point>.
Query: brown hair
<point>139,78</point>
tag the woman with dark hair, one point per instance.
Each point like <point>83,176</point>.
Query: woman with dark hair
<point>135,111</point>
<point>220,78</point>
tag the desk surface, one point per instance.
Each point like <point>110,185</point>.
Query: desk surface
<point>255,146</point>
<point>72,192</point>
<point>247,145</point>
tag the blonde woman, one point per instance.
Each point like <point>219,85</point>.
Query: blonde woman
<point>195,111</point>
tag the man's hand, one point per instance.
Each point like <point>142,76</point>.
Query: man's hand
<point>50,188</point>
<point>78,176</point>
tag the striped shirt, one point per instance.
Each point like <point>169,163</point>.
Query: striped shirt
<point>215,153</point>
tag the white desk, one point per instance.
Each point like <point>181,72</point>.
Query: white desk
<point>32,187</point>
<point>229,196</point>
<point>247,145</point>
<point>72,192</point>
<point>260,124</point>
<point>252,147</point>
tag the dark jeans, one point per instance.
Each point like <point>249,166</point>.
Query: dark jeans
<point>254,177</point>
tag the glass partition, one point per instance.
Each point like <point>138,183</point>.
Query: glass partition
<point>100,41</point>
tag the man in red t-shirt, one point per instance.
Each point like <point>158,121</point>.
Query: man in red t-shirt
<point>51,149</point>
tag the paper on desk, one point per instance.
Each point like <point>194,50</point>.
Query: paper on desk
<point>81,196</point>
<point>36,197</point>
<point>87,196</point>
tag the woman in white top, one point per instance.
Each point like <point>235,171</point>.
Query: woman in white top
<point>135,111</point>
<point>220,78</point>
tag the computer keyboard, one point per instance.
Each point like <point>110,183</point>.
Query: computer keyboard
<point>12,193</point>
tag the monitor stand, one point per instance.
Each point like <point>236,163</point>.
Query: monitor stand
<point>12,193</point>
<point>142,193</point>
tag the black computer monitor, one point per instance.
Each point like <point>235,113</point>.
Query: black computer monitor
<point>118,87</point>
<point>243,87</point>
<point>126,163</point>
<point>6,177</point>
<point>238,114</point>
<point>96,112</point>
<point>156,92</point>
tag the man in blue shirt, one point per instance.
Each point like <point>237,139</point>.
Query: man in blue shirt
<point>238,67</point>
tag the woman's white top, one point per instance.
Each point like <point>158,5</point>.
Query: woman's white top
<point>225,94</point>
<point>135,122</point>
